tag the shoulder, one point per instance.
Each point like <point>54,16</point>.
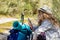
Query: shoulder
<point>46,23</point>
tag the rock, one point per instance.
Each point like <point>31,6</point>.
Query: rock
<point>3,37</point>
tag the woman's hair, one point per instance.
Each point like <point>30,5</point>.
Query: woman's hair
<point>43,15</point>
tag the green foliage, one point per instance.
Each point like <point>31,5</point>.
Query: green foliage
<point>13,7</point>
<point>56,8</point>
<point>3,8</point>
<point>8,7</point>
<point>12,4</point>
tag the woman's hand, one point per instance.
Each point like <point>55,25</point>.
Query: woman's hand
<point>30,25</point>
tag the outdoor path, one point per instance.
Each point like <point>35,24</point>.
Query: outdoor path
<point>4,20</point>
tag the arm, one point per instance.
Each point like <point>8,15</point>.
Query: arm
<point>32,26</point>
<point>45,26</point>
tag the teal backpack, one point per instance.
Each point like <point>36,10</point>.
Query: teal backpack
<point>24,30</point>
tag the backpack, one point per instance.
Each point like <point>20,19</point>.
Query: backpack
<point>41,36</point>
<point>13,34</point>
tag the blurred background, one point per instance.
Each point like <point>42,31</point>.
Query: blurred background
<point>10,11</point>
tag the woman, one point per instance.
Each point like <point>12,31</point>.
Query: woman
<point>47,26</point>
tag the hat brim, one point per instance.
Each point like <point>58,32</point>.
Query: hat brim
<point>41,9</point>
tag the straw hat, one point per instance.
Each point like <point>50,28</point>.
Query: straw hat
<point>46,9</point>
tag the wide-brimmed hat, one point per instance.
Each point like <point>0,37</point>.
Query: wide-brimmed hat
<point>45,9</point>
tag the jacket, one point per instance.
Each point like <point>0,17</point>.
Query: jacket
<point>50,30</point>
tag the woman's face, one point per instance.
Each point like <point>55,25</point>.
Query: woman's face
<point>40,17</point>
<point>40,14</point>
